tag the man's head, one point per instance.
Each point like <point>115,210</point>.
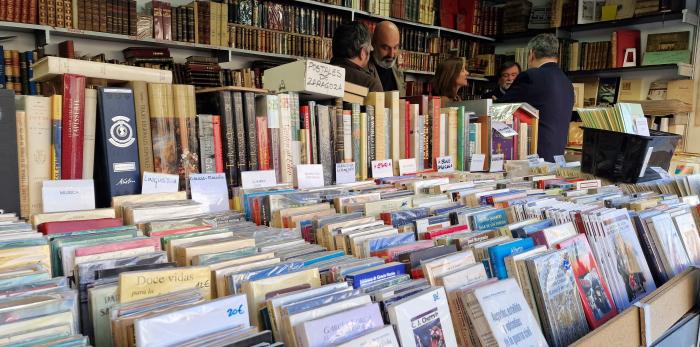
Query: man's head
<point>541,49</point>
<point>386,40</point>
<point>508,72</point>
<point>352,41</point>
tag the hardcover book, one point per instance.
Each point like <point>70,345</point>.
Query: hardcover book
<point>339,327</point>
<point>498,253</point>
<point>163,123</point>
<point>9,153</point>
<point>117,164</point>
<point>423,319</point>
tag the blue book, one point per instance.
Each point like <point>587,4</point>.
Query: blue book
<point>322,256</point>
<point>448,209</point>
<point>522,232</point>
<point>489,220</point>
<point>403,217</point>
<point>366,277</point>
<point>498,253</point>
<point>117,169</point>
<point>390,241</point>
<point>484,199</point>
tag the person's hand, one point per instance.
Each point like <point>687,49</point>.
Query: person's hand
<point>494,98</point>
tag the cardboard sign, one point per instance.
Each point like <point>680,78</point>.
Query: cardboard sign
<point>344,173</point>
<point>159,183</point>
<point>444,164</point>
<point>496,163</point>
<point>258,179</point>
<point>309,176</point>
<point>476,162</point>
<point>68,195</point>
<point>382,168</point>
<point>407,166</point>
<point>210,189</point>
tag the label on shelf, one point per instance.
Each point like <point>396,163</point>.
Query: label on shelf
<point>258,179</point>
<point>382,168</point>
<point>476,162</point>
<point>344,173</point>
<point>496,162</point>
<point>309,176</point>
<point>154,182</point>
<point>407,166</point>
<point>444,164</point>
<point>68,195</point>
<point>210,189</point>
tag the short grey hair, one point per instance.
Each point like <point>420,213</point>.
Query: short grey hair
<point>349,39</point>
<point>544,46</point>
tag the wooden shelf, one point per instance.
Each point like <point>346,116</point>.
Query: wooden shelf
<point>232,88</point>
<point>683,70</point>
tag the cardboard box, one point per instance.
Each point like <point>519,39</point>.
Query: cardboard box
<point>307,77</point>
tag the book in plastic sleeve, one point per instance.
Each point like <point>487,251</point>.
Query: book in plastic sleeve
<point>424,319</point>
<point>498,253</point>
<point>339,327</point>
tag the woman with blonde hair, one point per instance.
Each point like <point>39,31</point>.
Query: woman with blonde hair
<point>450,75</point>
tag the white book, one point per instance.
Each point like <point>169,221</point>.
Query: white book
<point>185,324</point>
<point>48,67</point>
<point>504,306</point>
<point>417,318</point>
<point>339,327</point>
<point>443,134</point>
<point>388,130</point>
<point>394,103</point>
<point>89,132</point>
<point>285,124</point>
<point>382,337</point>
<point>347,137</point>
<point>420,143</point>
<point>38,114</point>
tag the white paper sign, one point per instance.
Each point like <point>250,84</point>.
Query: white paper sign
<point>560,161</point>
<point>642,126</point>
<point>496,163</point>
<point>476,162</point>
<point>503,128</point>
<point>159,183</point>
<point>646,161</point>
<point>444,164</point>
<point>659,170</point>
<point>309,176</point>
<point>382,168</point>
<point>533,159</point>
<point>68,195</point>
<point>258,179</point>
<point>325,78</point>
<point>407,166</point>
<point>344,173</point>
<point>210,189</point>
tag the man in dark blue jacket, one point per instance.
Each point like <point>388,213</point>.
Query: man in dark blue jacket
<point>545,87</point>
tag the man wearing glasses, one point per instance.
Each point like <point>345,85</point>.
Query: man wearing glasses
<point>352,50</point>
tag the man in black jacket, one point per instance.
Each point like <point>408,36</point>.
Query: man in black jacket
<point>545,87</point>
<point>352,49</point>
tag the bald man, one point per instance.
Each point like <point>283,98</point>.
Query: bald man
<point>386,41</point>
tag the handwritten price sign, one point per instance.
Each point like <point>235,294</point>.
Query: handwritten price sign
<point>382,168</point>
<point>444,164</point>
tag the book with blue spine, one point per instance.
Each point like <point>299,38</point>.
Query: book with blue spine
<point>498,253</point>
<point>446,210</point>
<point>404,217</point>
<point>368,276</point>
<point>388,241</point>
<point>318,257</point>
<point>522,232</point>
<point>490,219</point>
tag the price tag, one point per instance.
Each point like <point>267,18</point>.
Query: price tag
<point>382,168</point>
<point>533,159</point>
<point>659,170</point>
<point>344,173</point>
<point>476,162</point>
<point>496,163</point>
<point>407,166</point>
<point>68,195</point>
<point>642,126</point>
<point>309,176</point>
<point>444,164</point>
<point>560,161</point>
<point>210,189</point>
<point>504,129</point>
<point>258,179</point>
<point>159,183</point>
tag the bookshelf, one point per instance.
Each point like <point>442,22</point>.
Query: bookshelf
<point>679,69</point>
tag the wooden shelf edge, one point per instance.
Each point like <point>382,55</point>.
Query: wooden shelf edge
<point>232,88</point>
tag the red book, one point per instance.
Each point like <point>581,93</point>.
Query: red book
<point>457,228</point>
<point>118,246</point>
<point>392,253</point>
<point>467,9</point>
<point>407,124</point>
<point>66,49</point>
<point>306,121</point>
<point>78,225</point>
<point>218,152</point>
<point>73,117</point>
<point>263,143</point>
<point>417,273</point>
<point>590,283</point>
<point>434,105</point>
<point>626,39</point>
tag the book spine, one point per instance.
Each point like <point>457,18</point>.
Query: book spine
<point>427,142</point>
<point>314,132</point>
<point>56,109</point>
<point>347,134</point>
<point>362,160</point>
<point>306,132</point>
<point>436,130</point>
<point>162,128</point>
<point>166,11</point>
<point>67,13</point>
<point>72,126</point>
<point>207,144</point>
<point>89,133</point>
<point>263,143</point>
<point>143,125</point>
<point>371,153</point>
<point>133,18</point>
<point>250,130</point>
<point>58,7</point>
<point>117,171</point>
<point>286,161</point>
<point>33,12</point>
<point>356,138</point>
<point>50,11</point>
<point>218,154</point>
<point>240,121</point>
<point>43,12</point>
<point>325,154</point>
<point>38,113</point>
<point>22,166</point>
<point>157,21</point>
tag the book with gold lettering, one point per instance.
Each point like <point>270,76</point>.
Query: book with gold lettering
<point>146,284</point>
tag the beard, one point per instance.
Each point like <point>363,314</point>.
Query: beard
<point>386,63</point>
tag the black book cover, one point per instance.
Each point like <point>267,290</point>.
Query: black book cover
<point>250,129</point>
<point>116,151</point>
<point>240,130</point>
<point>9,171</point>
<point>414,258</point>
<point>220,104</point>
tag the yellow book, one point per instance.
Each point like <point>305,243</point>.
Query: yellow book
<point>630,90</point>
<point>279,216</point>
<point>56,126</point>
<point>137,285</point>
<point>38,113</point>
<point>221,275</point>
<point>184,253</point>
<point>21,120</point>
<point>170,245</point>
<point>376,99</point>
<point>38,323</point>
<point>256,290</point>
<point>325,234</point>
<point>392,101</point>
<point>363,147</point>
<point>72,215</point>
<point>12,257</point>
<point>28,333</point>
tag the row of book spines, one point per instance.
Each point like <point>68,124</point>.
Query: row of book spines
<point>281,43</point>
<point>587,55</point>
<point>16,71</point>
<point>293,18</point>
<point>21,11</point>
